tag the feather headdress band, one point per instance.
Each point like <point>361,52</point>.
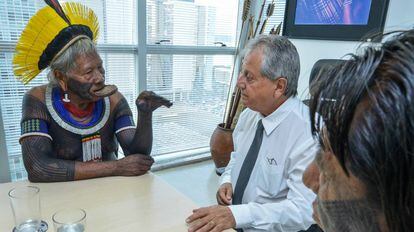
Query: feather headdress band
<point>49,33</point>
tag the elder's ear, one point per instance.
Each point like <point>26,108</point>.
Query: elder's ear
<point>280,87</point>
<point>61,79</point>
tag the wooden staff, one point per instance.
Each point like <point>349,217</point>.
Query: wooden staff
<point>234,108</point>
<point>227,123</point>
<point>229,104</point>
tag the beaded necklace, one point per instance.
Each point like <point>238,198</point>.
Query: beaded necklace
<point>89,132</point>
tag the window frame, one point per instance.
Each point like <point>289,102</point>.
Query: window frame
<point>4,157</point>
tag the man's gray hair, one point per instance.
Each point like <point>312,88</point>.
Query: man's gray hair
<point>280,59</point>
<point>67,60</point>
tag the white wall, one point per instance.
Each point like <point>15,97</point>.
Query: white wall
<point>400,16</point>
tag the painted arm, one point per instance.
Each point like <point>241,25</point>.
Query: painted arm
<point>139,141</point>
<point>42,167</point>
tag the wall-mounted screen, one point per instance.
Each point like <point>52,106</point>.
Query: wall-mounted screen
<point>334,19</point>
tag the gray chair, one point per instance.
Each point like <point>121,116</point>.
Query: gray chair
<point>316,69</point>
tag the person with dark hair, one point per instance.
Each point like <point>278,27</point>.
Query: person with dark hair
<point>261,188</point>
<point>72,127</point>
<point>363,114</point>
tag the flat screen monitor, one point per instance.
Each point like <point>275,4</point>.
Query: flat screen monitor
<point>335,19</point>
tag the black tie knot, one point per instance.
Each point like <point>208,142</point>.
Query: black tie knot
<point>259,126</point>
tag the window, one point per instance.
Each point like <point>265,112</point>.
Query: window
<point>173,53</point>
<point>120,65</point>
<point>196,83</point>
<point>198,86</point>
<point>192,23</point>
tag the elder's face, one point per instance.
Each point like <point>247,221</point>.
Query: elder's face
<point>341,204</point>
<point>87,78</point>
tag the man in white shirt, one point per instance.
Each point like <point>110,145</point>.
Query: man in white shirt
<point>266,192</point>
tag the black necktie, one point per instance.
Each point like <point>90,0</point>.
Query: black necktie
<point>248,165</point>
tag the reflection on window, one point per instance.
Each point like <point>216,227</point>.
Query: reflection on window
<point>198,22</point>
<point>198,87</point>
<point>117,19</point>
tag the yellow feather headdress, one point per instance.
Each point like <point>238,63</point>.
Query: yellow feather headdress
<point>50,32</point>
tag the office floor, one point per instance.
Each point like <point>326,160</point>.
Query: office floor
<point>197,181</point>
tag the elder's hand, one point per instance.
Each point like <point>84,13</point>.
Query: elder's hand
<point>134,165</point>
<point>149,101</point>
<point>214,218</point>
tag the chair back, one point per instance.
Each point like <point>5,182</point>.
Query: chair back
<point>320,65</point>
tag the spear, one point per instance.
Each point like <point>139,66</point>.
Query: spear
<point>251,35</point>
<point>276,31</point>
<point>229,104</point>
<point>237,95</point>
<point>260,18</point>
<point>269,13</point>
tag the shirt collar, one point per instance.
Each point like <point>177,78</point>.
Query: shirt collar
<point>273,120</point>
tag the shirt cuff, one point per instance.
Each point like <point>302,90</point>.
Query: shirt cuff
<point>242,216</point>
<point>225,178</point>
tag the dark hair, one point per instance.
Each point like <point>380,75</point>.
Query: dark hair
<point>367,107</point>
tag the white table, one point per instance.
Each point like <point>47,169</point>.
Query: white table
<point>144,203</point>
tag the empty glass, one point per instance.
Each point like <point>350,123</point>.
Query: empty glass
<point>69,220</point>
<point>25,204</point>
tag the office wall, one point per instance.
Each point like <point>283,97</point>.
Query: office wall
<point>400,16</point>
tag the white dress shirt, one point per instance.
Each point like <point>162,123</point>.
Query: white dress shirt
<point>275,198</point>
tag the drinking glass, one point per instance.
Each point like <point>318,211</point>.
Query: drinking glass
<point>25,204</point>
<point>69,220</point>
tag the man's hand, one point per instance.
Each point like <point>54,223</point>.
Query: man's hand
<point>214,218</point>
<point>224,194</point>
<point>149,101</point>
<point>134,165</point>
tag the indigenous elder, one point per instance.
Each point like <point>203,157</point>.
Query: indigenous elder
<point>71,127</point>
<point>261,188</point>
<point>364,173</point>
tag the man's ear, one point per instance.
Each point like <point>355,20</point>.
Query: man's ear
<point>61,79</point>
<point>280,87</point>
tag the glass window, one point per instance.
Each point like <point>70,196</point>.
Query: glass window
<point>198,86</point>
<point>11,96</point>
<point>117,19</point>
<point>120,70</point>
<point>197,22</point>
